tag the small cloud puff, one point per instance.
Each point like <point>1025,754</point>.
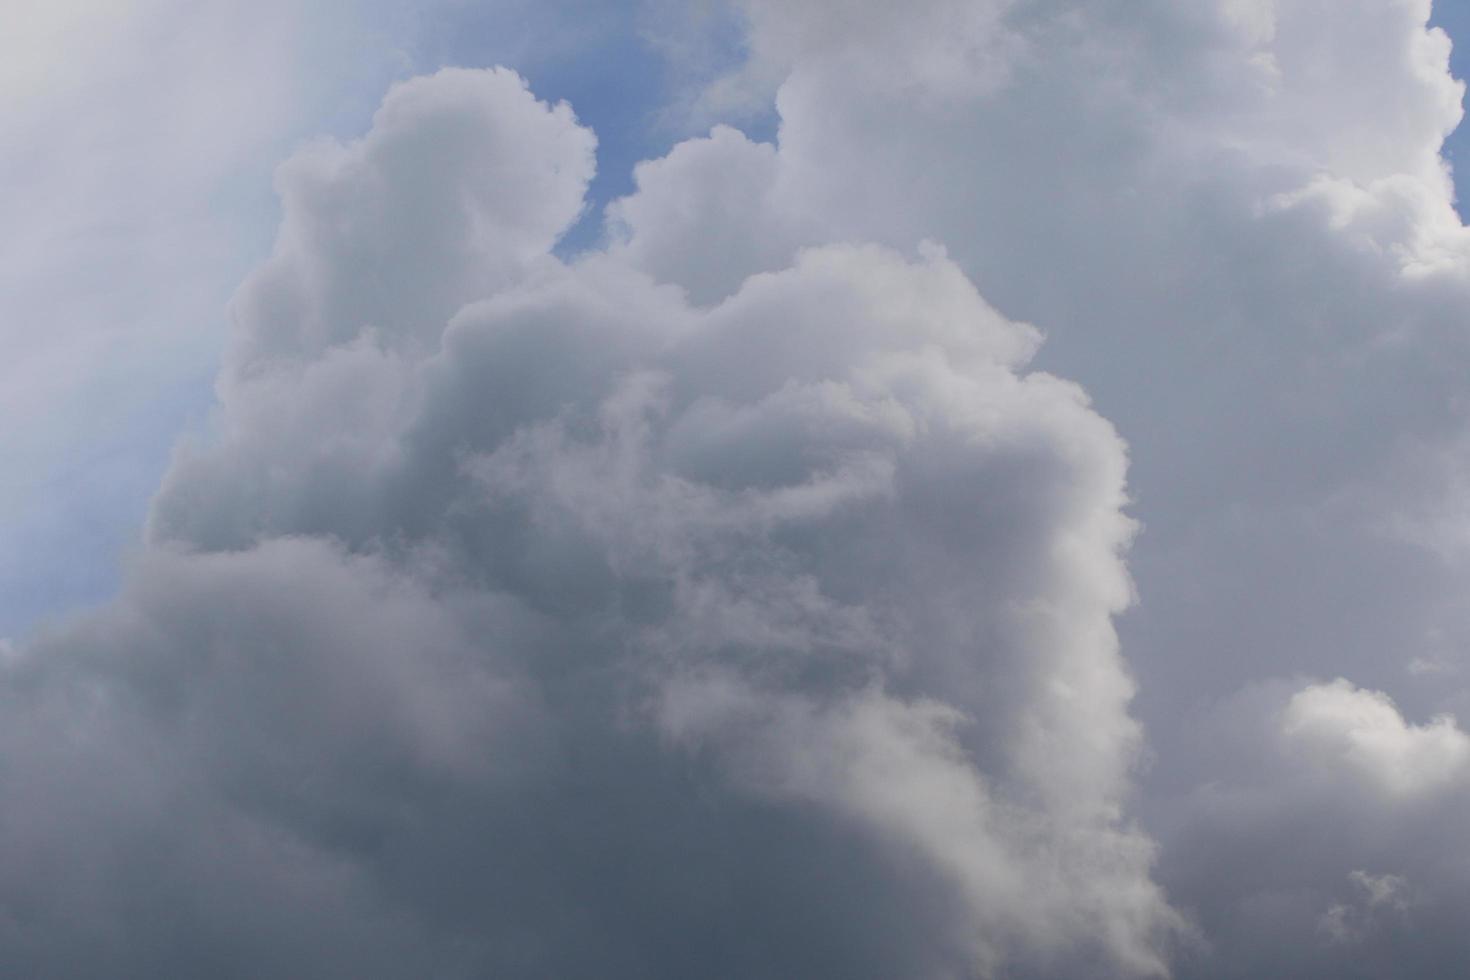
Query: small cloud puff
<point>1338,724</point>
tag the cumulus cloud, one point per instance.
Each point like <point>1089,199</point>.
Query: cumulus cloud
<point>1339,724</point>
<point>746,595</point>
<point>1233,222</point>
<point>527,618</point>
<point>1315,843</point>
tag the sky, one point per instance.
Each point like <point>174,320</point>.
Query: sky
<point>970,488</point>
<point>1454,20</point>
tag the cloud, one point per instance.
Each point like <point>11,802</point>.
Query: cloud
<point>745,592</point>
<point>138,142</point>
<point>458,186</point>
<point>1317,842</point>
<point>1374,895</point>
<point>718,185</point>
<point>1340,724</point>
<point>522,617</point>
<point>1234,226</point>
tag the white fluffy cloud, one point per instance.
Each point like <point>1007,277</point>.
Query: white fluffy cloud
<point>1341,725</point>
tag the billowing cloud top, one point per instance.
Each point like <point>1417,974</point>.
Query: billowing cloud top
<point>738,597</point>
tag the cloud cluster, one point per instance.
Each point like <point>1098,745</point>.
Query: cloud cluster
<point>1233,222</point>
<point>520,617</point>
<point>1318,844</point>
<point>745,595</point>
